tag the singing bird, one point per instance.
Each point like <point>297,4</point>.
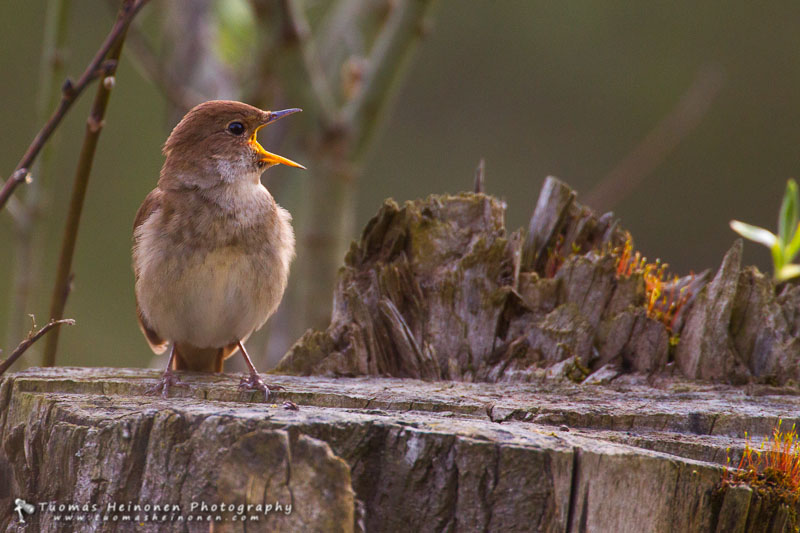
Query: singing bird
<point>211,247</point>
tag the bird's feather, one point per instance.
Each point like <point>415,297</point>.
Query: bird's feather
<point>151,204</point>
<point>201,359</point>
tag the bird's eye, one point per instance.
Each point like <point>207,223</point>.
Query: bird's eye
<point>237,128</point>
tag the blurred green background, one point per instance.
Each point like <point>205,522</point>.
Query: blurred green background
<point>536,88</point>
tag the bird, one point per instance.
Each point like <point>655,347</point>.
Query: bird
<point>211,246</point>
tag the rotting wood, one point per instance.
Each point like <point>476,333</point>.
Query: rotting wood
<point>436,289</point>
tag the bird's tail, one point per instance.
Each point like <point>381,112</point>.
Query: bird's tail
<point>188,357</point>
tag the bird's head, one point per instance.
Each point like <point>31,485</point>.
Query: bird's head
<point>217,142</point>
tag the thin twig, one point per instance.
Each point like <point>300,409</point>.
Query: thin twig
<point>99,66</point>
<point>258,90</point>
<point>338,30</point>
<point>94,125</point>
<point>147,62</point>
<point>386,65</point>
<point>403,25</point>
<point>659,142</point>
<point>480,175</point>
<point>30,339</point>
<point>294,67</point>
<point>377,59</point>
<point>188,53</point>
<point>27,211</point>
<point>149,65</point>
<point>301,32</point>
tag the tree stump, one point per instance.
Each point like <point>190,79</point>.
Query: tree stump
<point>436,289</point>
<point>470,380</point>
<point>376,454</point>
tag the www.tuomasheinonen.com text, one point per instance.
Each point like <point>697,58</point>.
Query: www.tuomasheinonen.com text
<point>170,508</point>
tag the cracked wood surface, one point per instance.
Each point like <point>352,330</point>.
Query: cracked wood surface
<point>437,289</point>
<point>388,454</point>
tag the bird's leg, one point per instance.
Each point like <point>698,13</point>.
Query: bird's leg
<point>254,381</point>
<point>168,378</point>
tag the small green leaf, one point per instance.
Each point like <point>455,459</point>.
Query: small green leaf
<point>754,233</point>
<point>791,249</point>
<point>788,217</point>
<point>778,259</point>
<point>788,272</point>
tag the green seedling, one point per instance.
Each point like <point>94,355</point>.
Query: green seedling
<point>786,244</point>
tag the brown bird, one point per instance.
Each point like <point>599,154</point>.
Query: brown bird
<point>211,247</point>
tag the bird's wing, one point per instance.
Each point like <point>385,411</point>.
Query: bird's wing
<point>151,204</point>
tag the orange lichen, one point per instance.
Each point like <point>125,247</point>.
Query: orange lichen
<point>664,296</point>
<point>773,470</point>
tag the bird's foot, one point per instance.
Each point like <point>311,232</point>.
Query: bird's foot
<point>168,379</point>
<point>254,382</point>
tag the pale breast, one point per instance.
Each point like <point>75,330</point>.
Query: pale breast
<point>218,280</point>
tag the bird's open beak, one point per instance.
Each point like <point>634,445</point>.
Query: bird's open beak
<point>267,157</point>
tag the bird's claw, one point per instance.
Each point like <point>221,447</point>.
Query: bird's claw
<point>169,379</point>
<point>254,382</point>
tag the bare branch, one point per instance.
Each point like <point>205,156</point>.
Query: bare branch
<point>70,91</point>
<point>659,142</point>
<point>94,126</point>
<point>20,174</point>
<point>301,32</point>
<point>30,339</point>
<point>385,66</point>
<point>27,210</point>
<point>146,60</point>
<point>338,36</point>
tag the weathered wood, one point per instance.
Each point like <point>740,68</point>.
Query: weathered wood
<point>735,506</point>
<point>380,454</point>
<point>706,350</point>
<point>548,218</point>
<point>435,289</point>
